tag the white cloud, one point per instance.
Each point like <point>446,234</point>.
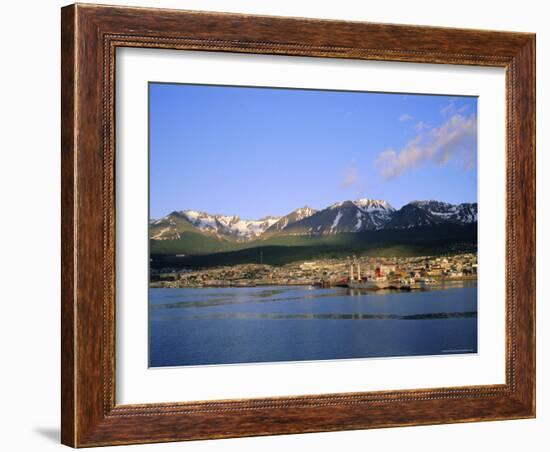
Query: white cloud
<point>449,108</point>
<point>405,117</point>
<point>350,177</point>
<point>421,125</point>
<point>438,145</point>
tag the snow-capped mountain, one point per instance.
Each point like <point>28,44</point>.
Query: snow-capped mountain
<point>375,214</point>
<point>292,217</point>
<point>410,216</point>
<point>170,227</point>
<point>229,225</point>
<point>426,213</point>
<point>222,226</point>
<point>463,213</point>
<point>342,217</point>
<point>345,216</point>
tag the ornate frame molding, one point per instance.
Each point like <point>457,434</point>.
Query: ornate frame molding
<point>90,36</point>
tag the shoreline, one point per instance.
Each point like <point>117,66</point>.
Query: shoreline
<point>400,273</point>
<point>441,281</point>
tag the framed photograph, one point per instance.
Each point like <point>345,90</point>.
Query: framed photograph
<point>280,225</point>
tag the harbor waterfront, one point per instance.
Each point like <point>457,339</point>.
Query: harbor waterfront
<point>354,272</point>
<point>217,325</point>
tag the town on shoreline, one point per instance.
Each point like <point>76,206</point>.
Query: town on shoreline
<point>328,272</point>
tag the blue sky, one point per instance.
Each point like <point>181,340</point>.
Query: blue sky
<point>255,152</point>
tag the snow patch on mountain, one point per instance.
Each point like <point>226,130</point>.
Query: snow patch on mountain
<point>303,212</point>
<point>372,214</point>
<point>229,225</point>
<point>336,221</point>
<point>166,233</point>
<point>293,217</point>
<point>464,213</point>
<point>359,221</point>
<point>373,205</point>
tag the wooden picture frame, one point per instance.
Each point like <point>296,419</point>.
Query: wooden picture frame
<point>90,36</point>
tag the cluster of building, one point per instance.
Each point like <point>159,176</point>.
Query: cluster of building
<point>325,272</point>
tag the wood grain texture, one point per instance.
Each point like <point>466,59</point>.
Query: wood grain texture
<point>68,147</point>
<point>90,36</point>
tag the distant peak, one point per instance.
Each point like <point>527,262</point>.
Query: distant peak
<point>305,209</point>
<point>426,201</point>
<point>374,204</point>
<point>269,217</point>
<point>194,213</point>
<point>368,200</point>
<point>434,202</point>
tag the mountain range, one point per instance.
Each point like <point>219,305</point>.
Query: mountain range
<point>357,216</point>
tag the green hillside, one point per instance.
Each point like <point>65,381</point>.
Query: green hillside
<point>205,251</point>
<point>191,243</point>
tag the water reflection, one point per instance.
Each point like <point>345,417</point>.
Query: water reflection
<point>339,316</point>
<point>205,297</point>
<point>270,324</point>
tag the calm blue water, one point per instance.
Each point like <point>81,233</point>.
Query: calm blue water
<point>267,324</point>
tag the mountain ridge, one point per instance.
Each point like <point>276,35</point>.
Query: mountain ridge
<point>347,216</point>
